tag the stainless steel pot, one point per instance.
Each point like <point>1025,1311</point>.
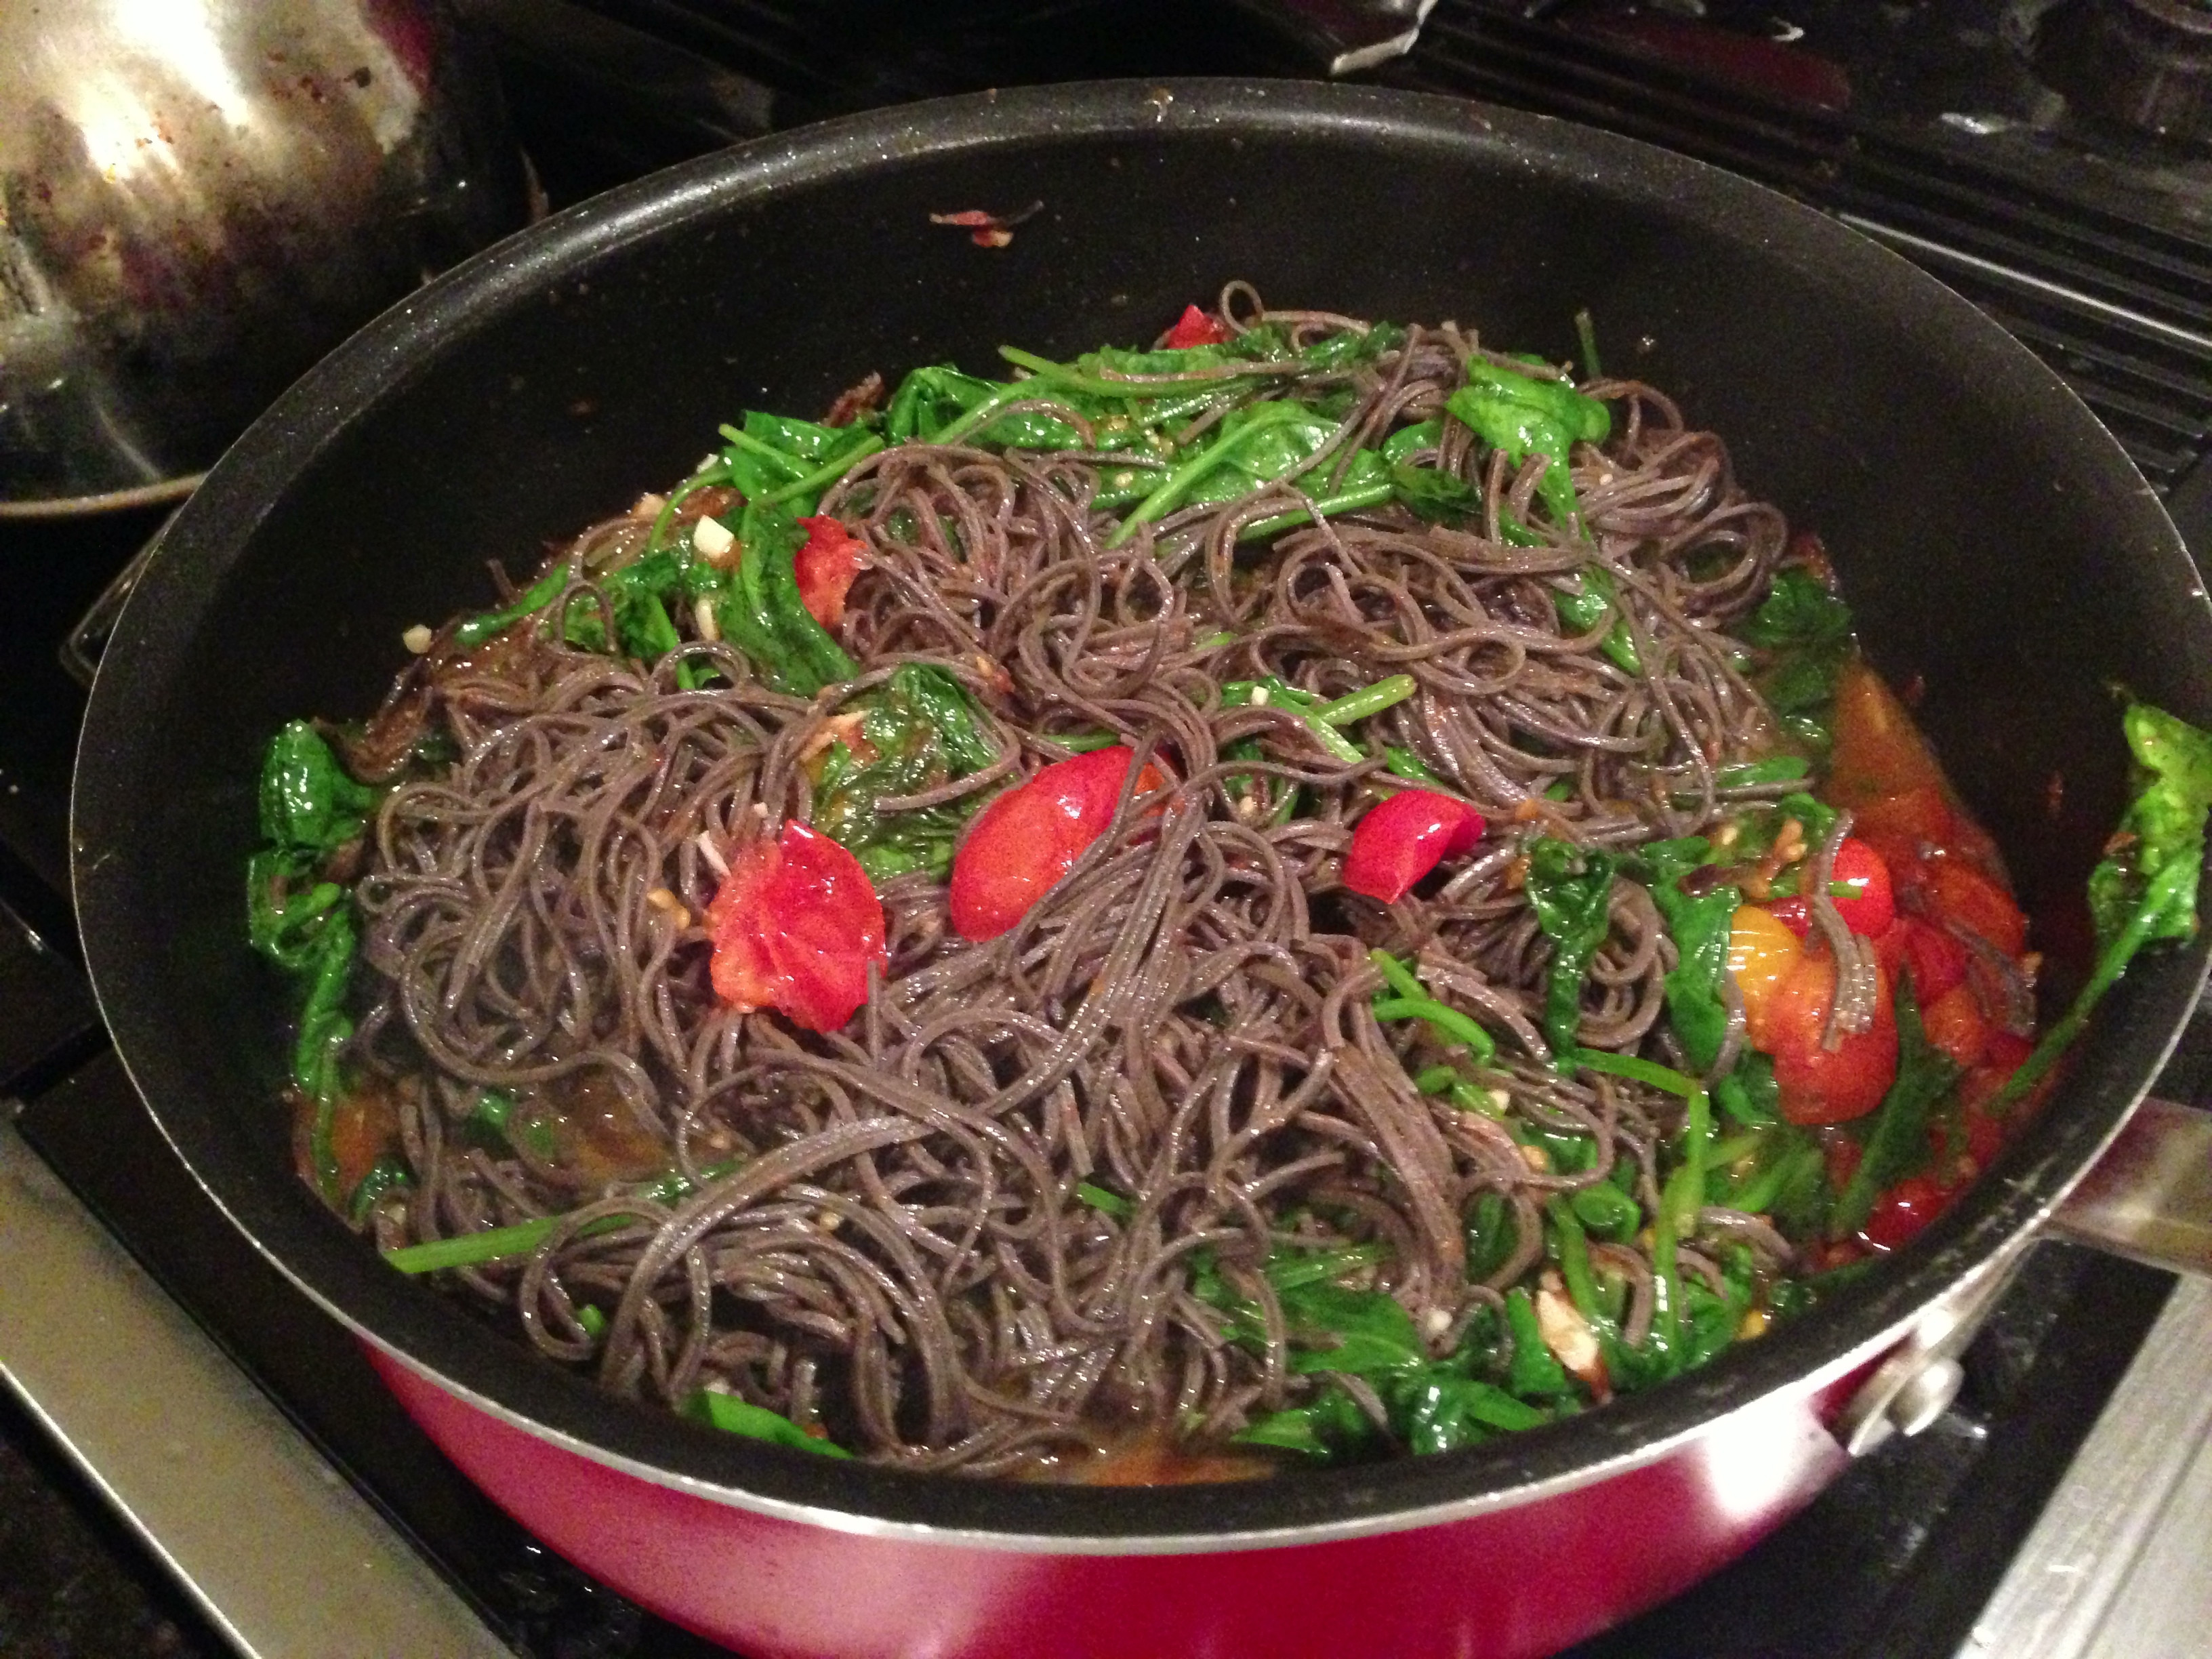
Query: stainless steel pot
<point>198,199</point>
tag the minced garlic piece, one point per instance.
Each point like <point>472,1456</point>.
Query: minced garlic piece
<point>711,540</point>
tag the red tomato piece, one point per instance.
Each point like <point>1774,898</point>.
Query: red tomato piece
<point>1793,913</point>
<point>1869,907</point>
<point>1402,839</point>
<point>1818,1086</point>
<point>796,926</point>
<point>1984,1136</point>
<point>1867,910</point>
<point>1900,1214</point>
<point>1954,1023</point>
<point>825,566</point>
<point>2001,1055</point>
<point>1786,991</point>
<point>1936,960</point>
<point>1197,328</point>
<point>1899,825</point>
<point>1024,841</point>
<point>1959,892</point>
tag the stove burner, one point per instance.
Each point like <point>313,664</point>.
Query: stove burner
<point>2147,63</point>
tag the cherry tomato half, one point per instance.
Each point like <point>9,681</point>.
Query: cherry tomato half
<point>1867,909</point>
<point>1025,840</point>
<point>1936,961</point>
<point>1959,892</point>
<point>1900,1214</point>
<point>825,566</point>
<point>1402,839</point>
<point>796,925</point>
<point>1955,1025</point>
<point>1197,328</point>
<point>1787,990</point>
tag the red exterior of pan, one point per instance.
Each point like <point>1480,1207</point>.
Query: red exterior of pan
<point>1513,1581</point>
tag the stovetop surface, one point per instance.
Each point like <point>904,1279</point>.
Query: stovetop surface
<point>1927,122</point>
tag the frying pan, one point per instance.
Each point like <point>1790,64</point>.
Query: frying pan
<point>1990,535</point>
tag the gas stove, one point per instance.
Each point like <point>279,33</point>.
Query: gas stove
<point>2050,159</point>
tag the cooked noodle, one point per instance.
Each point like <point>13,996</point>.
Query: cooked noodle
<point>885,1234</point>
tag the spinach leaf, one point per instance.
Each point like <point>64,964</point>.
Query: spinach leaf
<point>930,403</point>
<point>1570,888</point>
<point>1773,1177</point>
<point>1264,441</point>
<point>2168,903</point>
<point>1749,1094</point>
<point>1493,1233</point>
<point>1700,924</point>
<point>1805,631</point>
<point>639,594</point>
<point>2163,825</point>
<point>307,802</point>
<point>1799,614</point>
<point>760,611</point>
<point>1536,1372</point>
<point>1443,1412</point>
<point>1438,497</point>
<point>1524,416</point>
<point>1584,600</point>
<point>1333,1425</point>
<point>919,732</point>
<point>1413,439</point>
<point>779,459</point>
<point>308,808</point>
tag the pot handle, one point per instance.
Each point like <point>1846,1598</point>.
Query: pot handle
<point>2149,1197</point>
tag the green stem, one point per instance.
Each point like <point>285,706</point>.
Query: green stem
<point>493,1244</point>
<point>1586,334</point>
<point>1171,489</point>
<point>2159,896</point>
<point>821,478</point>
<point>1777,1178</point>
<point>1638,1071</point>
<point>1678,1206</point>
<point>1407,764</point>
<point>1349,501</point>
<point>1368,699</point>
<point>498,1244</point>
<point>1574,1258</point>
<point>1414,1002</point>
<point>533,599</point>
<point>1074,379</point>
<point>718,473</point>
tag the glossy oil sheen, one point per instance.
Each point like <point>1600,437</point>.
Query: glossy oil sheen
<point>1990,535</point>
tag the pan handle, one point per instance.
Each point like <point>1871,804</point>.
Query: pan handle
<point>2150,1197</point>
